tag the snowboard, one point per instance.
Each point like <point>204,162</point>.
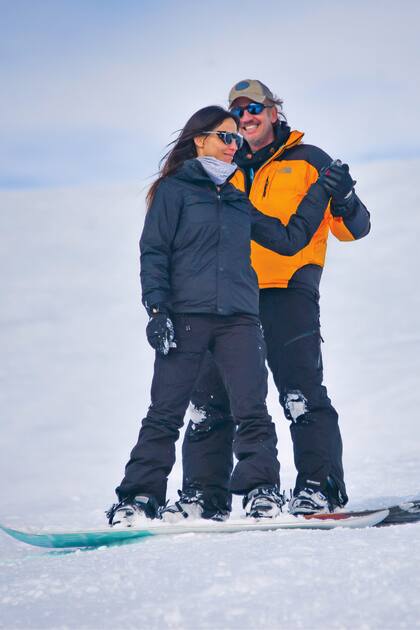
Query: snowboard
<point>408,512</point>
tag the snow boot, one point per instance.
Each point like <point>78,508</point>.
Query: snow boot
<point>266,502</point>
<point>192,504</point>
<point>128,512</point>
<point>311,500</point>
<point>308,501</point>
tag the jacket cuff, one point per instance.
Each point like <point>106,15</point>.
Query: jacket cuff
<point>344,210</point>
<point>155,302</point>
<point>318,193</point>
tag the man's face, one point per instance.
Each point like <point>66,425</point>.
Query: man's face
<point>256,128</point>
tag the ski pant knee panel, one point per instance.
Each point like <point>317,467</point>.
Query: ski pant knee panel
<point>306,405</point>
<point>295,405</point>
<point>202,423</point>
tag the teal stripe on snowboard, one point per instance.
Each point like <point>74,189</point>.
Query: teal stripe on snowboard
<point>76,539</point>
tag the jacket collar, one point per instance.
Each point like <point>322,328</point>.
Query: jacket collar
<point>192,172</point>
<point>285,138</point>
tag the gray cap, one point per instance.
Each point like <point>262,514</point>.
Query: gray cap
<point>253,89</point>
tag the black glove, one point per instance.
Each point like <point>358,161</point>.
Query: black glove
<point>160,331</point>
<point>338,182</point>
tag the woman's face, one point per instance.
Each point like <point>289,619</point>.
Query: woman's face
<point>213,146</point>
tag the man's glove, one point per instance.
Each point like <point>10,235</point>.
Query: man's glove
<point>338,182</point>
<point>160,331</point>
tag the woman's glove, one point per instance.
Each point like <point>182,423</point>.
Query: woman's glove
<point>160,331</point>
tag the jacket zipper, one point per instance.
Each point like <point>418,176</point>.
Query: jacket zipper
<point>218,247</point>
<point>265,187</point>
<point>284,148</point>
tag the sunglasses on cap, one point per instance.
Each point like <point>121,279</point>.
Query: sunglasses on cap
<point>251,108</point>
<point>228,137</point>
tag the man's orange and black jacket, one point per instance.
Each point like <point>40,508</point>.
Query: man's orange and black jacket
<point>276,179</point>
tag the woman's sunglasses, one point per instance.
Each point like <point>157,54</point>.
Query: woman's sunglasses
<point>228,137</point>
<point>251,108</point>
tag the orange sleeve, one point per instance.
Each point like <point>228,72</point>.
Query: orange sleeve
<point>339,229</point>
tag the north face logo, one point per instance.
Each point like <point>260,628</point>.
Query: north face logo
<point>285,169</point>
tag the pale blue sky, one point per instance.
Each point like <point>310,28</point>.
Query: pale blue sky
<point>92,90</point>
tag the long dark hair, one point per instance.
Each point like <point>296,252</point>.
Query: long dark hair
<point>206,119</point>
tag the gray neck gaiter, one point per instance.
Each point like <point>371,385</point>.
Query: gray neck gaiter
<point>217,170</point>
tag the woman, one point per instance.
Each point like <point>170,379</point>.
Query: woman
<point>201,294</point>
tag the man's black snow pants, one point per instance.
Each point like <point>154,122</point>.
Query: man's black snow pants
<point>238,352</point>
<point>290,319</point>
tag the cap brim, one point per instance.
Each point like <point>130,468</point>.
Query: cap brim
<point>258,98</point>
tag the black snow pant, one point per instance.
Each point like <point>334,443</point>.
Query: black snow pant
<point>290,319</point>
<point>238,351</point>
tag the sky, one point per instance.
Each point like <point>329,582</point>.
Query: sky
<point>93,90</point>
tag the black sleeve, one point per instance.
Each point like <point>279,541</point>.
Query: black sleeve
<point>156,245</point>
<point>356,217</point>
<point>288,240</point>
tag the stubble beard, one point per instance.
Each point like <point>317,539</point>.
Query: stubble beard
<point>260,143</point>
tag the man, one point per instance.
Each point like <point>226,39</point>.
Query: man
<point>276,169</point>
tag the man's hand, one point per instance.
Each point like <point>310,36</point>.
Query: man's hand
<point>338,182</point>
<point>160,331</point>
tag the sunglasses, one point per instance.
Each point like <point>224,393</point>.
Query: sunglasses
<point>228,137</point>
<point>251,108</point>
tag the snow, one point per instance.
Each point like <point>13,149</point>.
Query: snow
<point>75,376</point>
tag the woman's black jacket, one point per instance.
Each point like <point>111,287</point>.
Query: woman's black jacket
<point>195,245</point>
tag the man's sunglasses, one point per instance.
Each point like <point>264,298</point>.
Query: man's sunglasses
<point>228,137</point>
<point>251,108</point>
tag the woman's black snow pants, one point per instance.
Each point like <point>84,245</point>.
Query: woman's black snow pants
<point>238,349</point>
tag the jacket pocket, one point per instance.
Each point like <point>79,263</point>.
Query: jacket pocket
<point>198,210</point>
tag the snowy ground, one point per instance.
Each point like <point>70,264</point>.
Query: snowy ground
<point>75,375</point>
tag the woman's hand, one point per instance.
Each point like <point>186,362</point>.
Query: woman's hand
<point>160,332</point>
